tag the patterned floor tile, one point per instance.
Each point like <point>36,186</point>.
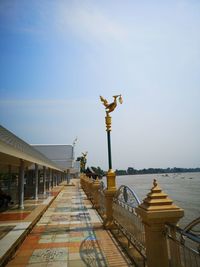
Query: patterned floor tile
<point>40,264</point>
<point>74,256</point>
<point>62,209</point>
<point>48,255</point>
<point>59,218</point>
<point>57,264</point>
<point>77,263</point>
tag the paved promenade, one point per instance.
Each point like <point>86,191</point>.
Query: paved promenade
<point>70,233</point>
<point>15,224</point>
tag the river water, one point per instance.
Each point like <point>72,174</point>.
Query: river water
<point>182,188</point>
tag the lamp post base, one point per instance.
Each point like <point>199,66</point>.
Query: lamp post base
<point>109,194</point>
<point>111,183</point>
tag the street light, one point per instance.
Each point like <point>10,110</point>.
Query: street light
<point>110,107</point>
<point>111,185</point>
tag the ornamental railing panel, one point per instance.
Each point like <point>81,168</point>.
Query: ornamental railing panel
<point>184,245</point>
<point>101,198</point>
<point>126,219</point>
<point>90,195</point>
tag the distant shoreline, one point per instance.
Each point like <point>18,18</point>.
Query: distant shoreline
<point>132,171</point>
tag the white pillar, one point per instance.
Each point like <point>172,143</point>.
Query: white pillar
<point>36,181</point>
<point>44,179</point>
<point>21,184</point>
<point>9,178</point>
<point>50,179</point>
<point>68,178</point>
<point>56,179</point>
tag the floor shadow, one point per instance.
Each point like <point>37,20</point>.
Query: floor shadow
<point>90,250</point>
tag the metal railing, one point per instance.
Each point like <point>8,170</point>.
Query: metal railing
<point>184,245</point>
<point>127,221</point>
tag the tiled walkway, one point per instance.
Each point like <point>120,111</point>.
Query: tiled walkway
<point>70,233</point>
<point>15,223</point>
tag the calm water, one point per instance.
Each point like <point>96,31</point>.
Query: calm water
<point>182,188</point>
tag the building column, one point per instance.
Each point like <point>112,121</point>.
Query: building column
<point>36,181</point>
<point>50,179</point>
<point>47,179</point>
<point>44,179</point>
<point>21,184</point>
<point>54,178</point>
<point>9,179</point>
<point>57,177</point>
<point>68,178</point>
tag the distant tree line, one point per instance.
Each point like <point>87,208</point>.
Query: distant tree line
<point>131,171</point>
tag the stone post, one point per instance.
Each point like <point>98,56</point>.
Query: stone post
<point>83,181</point>
<point>109,194</point>
<point>90,183</point>
<point>157,210</point>
<point>95,188</point>
<point>86,179</point>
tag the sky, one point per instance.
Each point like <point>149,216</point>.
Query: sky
<point>58,57</point>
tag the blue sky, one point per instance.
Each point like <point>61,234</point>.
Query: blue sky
<point>57,57</point>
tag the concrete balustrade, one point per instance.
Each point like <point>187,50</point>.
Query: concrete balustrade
<point>91,188</point>
<point>95,193</point>
<point>90,183</point>
<point>156,210</point>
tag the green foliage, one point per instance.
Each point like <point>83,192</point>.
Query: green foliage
<point>121,172</point>
<point>131,171</point>
<point>98,171</point>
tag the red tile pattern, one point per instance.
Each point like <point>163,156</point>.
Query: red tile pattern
<point>13,216</point>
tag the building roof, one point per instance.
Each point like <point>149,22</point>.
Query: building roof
<point>62,155</point>
<point>12,149</point>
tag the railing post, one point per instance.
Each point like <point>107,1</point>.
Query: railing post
<point>95,189</point>
<point>157,210</point>
<point>90,195</point>
<point>109,194</point>
<point>82,181</point>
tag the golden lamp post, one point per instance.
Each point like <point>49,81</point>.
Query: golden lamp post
<point>111,185</point>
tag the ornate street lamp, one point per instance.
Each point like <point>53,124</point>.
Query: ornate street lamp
<point>110,108</point>
<point>111,185</point>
